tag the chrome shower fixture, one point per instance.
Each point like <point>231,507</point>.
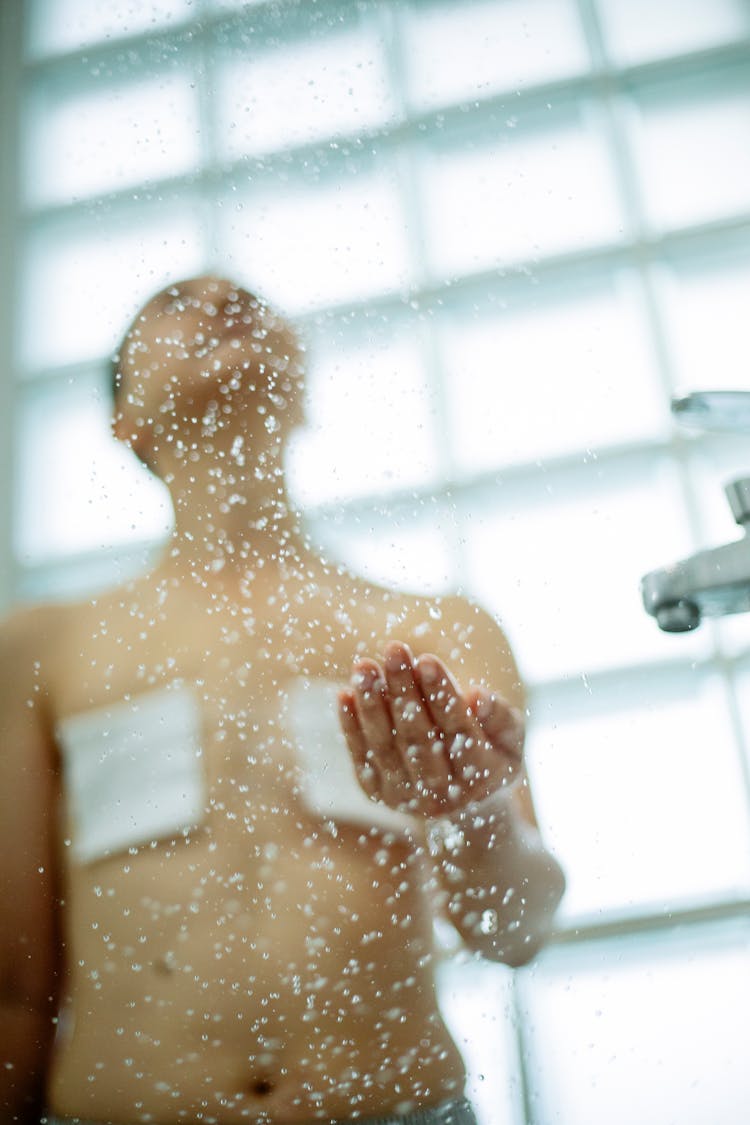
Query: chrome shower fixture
<point>714,582</point>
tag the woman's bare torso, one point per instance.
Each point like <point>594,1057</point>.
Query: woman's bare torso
<point>269,964</point>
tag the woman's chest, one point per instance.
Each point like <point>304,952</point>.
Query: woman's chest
<point>226,747</point>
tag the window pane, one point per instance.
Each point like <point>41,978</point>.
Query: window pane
<point>77,488</point>
<point>476,1003</point>
<point>84,280</point>
<point>406,549</point>
<point>313,245</point>
<point>693,155</point>
<point>638,30</point>
<point>301,91</point>
<point>562,376</point>
<point>371,423</point>
<point>531,194</point>
<point>459,52</point>
<point>80,577</point>
<point>652,1031</point>
<point>62,25</point>
<point>705,307</point>
<point>560,560</point>
<point>621,775</point>
<point>743,699</point>
<point>83,142</point>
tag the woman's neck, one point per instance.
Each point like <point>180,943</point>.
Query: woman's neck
<point>231,507</point>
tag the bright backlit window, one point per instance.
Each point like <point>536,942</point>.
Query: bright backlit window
<point>509,231</point>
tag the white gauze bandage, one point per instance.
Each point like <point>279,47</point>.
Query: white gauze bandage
<point>133,771</point>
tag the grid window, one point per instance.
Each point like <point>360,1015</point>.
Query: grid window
<point>85,279</point>
<point>703,302</point>
<point>682,134</point>
<point>302,91</point>
<point>639,30</point>
<point>81,490</point>
<point>568,372</point>
<point>537,40</point>
<point>580,531</point>
<point>371,425</point>
<point>79,143</point>
<point>316,244</point>
<point>52,27</point>
<point>636,760</point>
<point>395,546</point>
<point>477,1006</point>
<point>602,1025</point>
<point>519,196</point>
<point>509,230</point>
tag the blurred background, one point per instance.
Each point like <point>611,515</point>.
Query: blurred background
<point>509,231</point>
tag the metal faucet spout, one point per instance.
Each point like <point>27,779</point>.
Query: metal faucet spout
<point>711,583</point>
<point>715,582</point>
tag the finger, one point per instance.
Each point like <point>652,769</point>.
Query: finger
<point>502,724</point>
<point>447,706</point>
<point>363,758</point>
<point>423,753</point>
<point>374,715</point>
<point>398,787</point>
<point>371,705</point>
<point>469,766</point>
<point>412,721</point>
<point>501,758</point>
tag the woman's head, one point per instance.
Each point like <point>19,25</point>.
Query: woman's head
<point>206,352</point>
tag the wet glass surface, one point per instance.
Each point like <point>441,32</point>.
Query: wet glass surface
<point>508,233</point>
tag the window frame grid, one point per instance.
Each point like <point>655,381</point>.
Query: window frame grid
<point>642,250</point>
<point>11,71</point>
